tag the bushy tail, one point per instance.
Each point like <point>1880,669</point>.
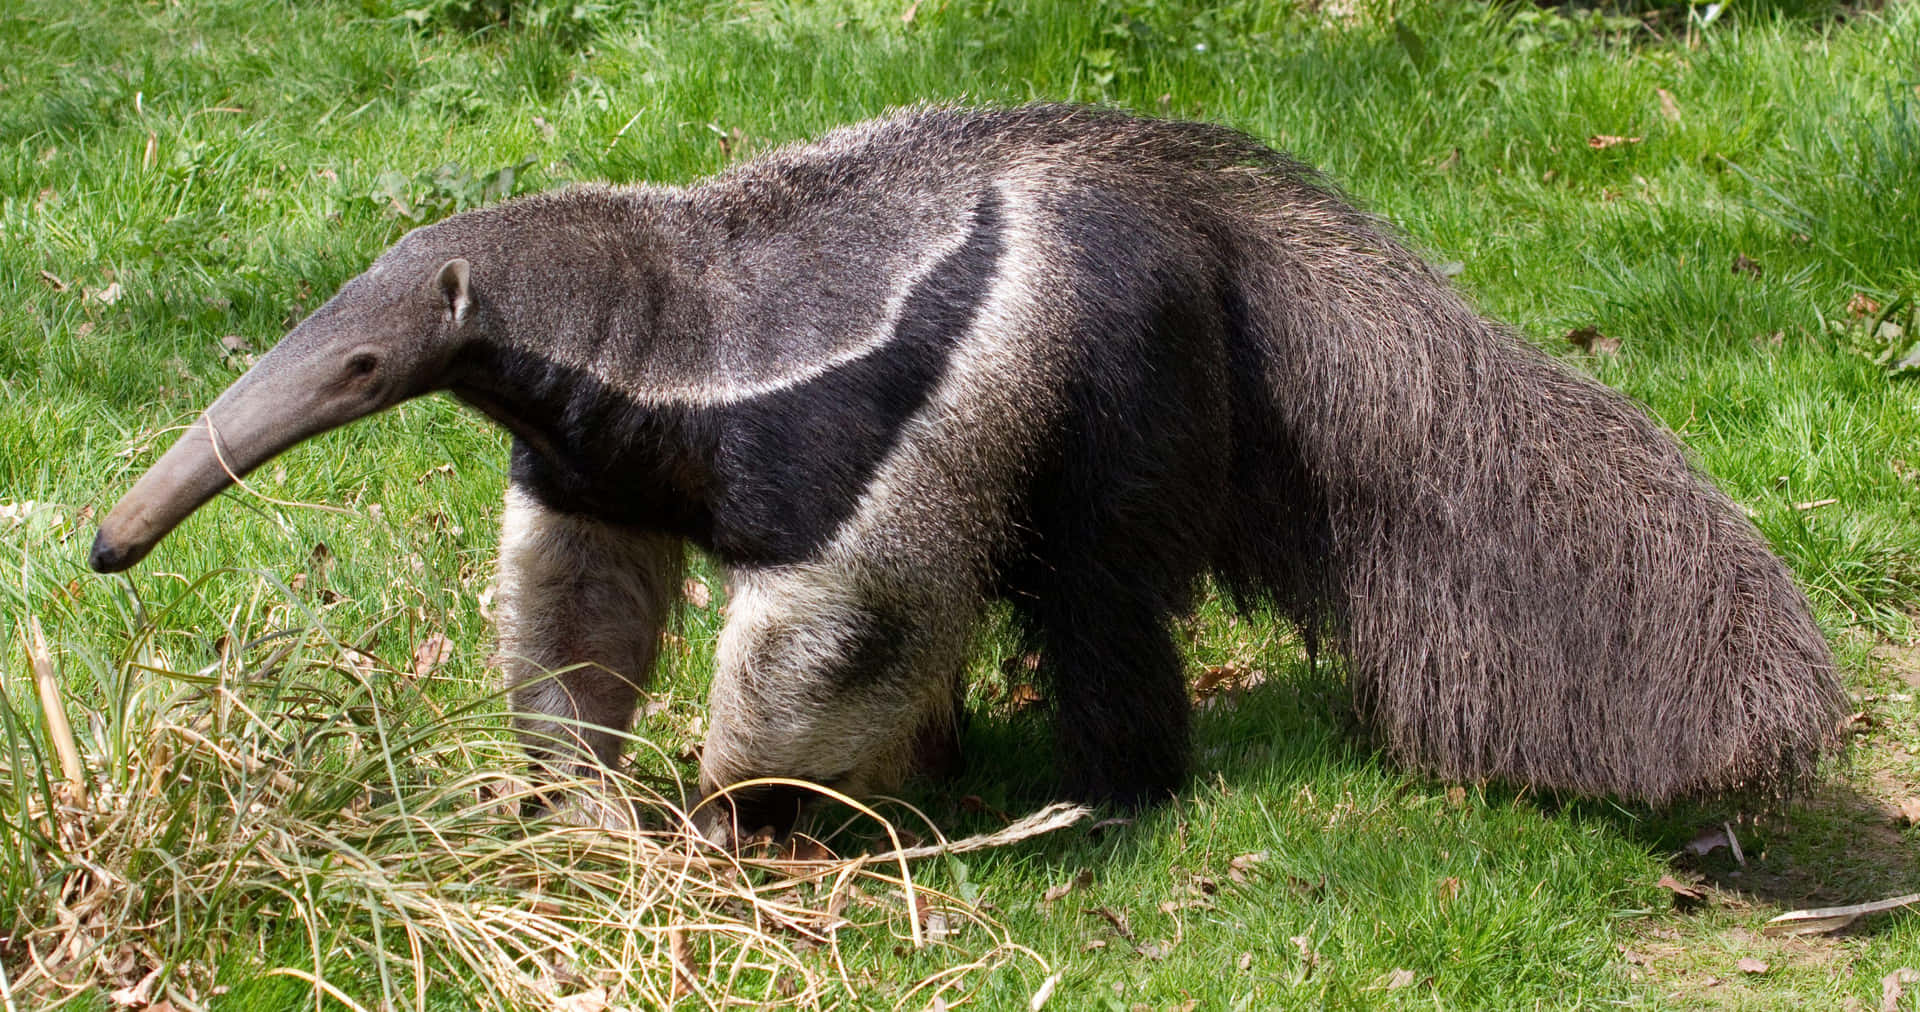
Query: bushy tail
<point>1530,580</point>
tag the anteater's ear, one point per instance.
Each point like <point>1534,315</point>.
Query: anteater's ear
<point>452,284</point>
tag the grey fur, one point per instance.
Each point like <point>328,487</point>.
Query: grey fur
<point>1529,579</point>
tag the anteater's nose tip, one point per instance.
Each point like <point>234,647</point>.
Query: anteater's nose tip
<point>108,557</point>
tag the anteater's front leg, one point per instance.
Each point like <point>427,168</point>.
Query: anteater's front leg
<point>582,604</point>
<point>831,674</point>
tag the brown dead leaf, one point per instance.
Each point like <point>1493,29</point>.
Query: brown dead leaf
<point>1743,264</point>
<point>1021,696</point>
<point>1304,946</point>
<point>1636,958</point>
<point>1456,797</point>
<point>1601,142</point>
<point>106,296</point>
<point>139,995</point>
<point>1669,109</point>
<point>54,279</point>
<point>1893,987</point>
<point>593,999</point>
<point>1910,811</point>
<point>1685,897</point>
<point>1192,902</point>
<point>430,653</point>
<point>1240,869</point>
<point>1752,966</point>
<point>1448,889</point>
<point>1116,918</point>
<point>696,592</point>
<point>806,848</point>
<point>1862,304</point>
<point>1396,980</point>
<point>1245,962</point>
<point>906,16</point>
<point>1591,341</point>
<point>1156,950</point>
<point>1080,881</point>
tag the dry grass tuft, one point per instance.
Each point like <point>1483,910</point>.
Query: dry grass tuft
<point>275,795</point>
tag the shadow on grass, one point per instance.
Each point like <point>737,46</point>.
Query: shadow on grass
<point>1834,845</point>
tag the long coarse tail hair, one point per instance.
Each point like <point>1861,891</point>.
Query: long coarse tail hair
<point>1531,581</point>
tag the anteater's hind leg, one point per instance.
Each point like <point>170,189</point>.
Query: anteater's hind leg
<point>1121,718</point>
<point>582,604</point>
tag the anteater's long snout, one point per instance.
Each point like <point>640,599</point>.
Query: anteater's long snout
<point>298,390</point>
<point>193,471</point>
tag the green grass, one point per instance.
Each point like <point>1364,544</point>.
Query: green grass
<point>181,182</point>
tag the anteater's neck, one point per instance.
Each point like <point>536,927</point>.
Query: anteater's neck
<point>583,306</point>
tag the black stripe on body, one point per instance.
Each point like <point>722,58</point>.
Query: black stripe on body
<point>762,481</point>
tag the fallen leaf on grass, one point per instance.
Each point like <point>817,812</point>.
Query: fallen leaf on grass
<point>106,296</point>
<point>1601,142</point>
<point>1116,918</point>
<point>1714,839</point>
<point>593,999</point>
<point>1823,920</point>
<point>1591,341</point>
<point>1744,264</point>
<point>1156,950</point>
<point>1893,986</point>
<point>432,652</point>
<point>1669,109</point>
<point>1394,981</point>
<point>53,279</point>
<point>805,848</point>
<point>1224,678</point>
<point>1245,962</point>
<point>1240,868</point>
<point>1448,889</point>
<point>1080,881</point>
<point>1751,965</point>
<point>1862,304</point>
<point>1685,896</point>
<point>1305,947</point>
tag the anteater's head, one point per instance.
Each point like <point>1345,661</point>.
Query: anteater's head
<point>390,334</point>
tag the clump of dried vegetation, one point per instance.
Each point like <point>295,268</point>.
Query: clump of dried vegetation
<point>157,829</point>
